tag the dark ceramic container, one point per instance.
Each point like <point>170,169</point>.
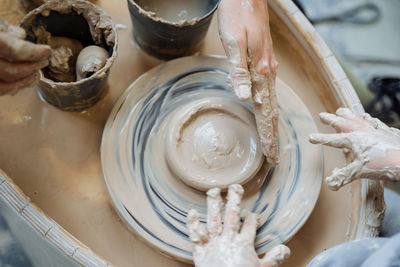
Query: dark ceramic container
<point>79,95</point>
<point>167,40</point>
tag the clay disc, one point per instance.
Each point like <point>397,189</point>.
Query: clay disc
<point>154,204</point>
<point>212,142</point>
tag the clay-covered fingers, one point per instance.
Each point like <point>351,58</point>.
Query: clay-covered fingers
<point>389,174</point>
<point>333,120</point>
<point>13,71</point>
<point>379,125</point>
<point>276,256</point>
<point>14,31</point>
<point>20,60</point>
<point>345,113</point>
<point>345,121</point>
<point>263,91</point>
<point>236,51</point>
<point>233,35</point>
<point>214,207</point>
<point>232,211</point>
<point>260,41</point>
<point>14,49</point>
<point>345,175</point>
<point>266,65</point>
<point>340,140</point>
<point>11,88</point>
<point>374,122</point>
<point>249,228</point>
<point>357,170</point>
<point>197,232</point>
<point>273,64</point>
<point>262,52</point>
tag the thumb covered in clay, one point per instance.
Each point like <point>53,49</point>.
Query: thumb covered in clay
<point>12,30</point>
<point>13,48</point>
<point>20,60</point>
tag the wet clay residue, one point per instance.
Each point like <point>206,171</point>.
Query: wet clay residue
<point>266,112</point>
<point>65,52</point>
<point>63,62</point>
<point>100,25</point>
<point>213,142</point>
<point>189,12</point>
<point>248,84</point>
<point>91,59</point>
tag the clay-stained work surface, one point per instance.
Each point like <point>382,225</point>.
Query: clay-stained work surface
<point>150,197</point>
<point>54,156</point>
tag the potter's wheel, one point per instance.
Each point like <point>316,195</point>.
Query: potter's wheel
<point>154,203</point>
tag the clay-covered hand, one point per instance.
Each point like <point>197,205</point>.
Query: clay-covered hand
<point>20,60</point>
<point>223,245</point>
<point>245,34</point>
<point>244,29</point>
<point>375,146</point>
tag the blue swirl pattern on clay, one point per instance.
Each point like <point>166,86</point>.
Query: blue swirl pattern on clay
<point>283,196</point>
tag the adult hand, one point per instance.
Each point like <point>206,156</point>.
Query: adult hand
<point>224,245</point>
<point>244,31</point>
<point>376,147</point>
<point>245,34</point>
<point>20,60</point>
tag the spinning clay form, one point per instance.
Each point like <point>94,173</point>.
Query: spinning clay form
<point>187,105</point>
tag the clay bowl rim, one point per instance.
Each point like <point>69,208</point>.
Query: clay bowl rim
<point>191,22</point>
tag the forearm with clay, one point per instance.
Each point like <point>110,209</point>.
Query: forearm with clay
<point>375,147</point>
<point>253,66</point>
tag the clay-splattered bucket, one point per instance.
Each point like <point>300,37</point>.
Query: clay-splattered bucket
<point>167,40</point>
<point>83,21</point>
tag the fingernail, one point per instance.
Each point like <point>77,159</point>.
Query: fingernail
<point>332,183</point>
<point>244,92</point>
<point>45,51</point>
<point>322,114</point>
<point>311,137</point>
<point>193,215</point>
<point>214,192</point>
<point>235,190</point>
